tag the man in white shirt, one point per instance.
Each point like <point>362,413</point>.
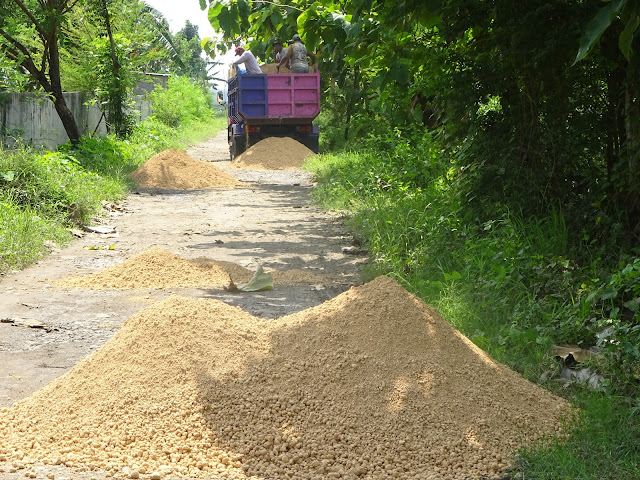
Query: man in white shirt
<point>249,60</point>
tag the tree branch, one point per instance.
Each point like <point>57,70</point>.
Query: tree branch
<point>278,5</point>
<point>10,52</point>
<point>14,42</point>
<point>70,6</point>
<point>33,19</point>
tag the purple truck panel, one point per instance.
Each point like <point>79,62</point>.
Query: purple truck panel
<point>248,97</point>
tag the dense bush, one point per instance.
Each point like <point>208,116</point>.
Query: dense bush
<point>180,103</point>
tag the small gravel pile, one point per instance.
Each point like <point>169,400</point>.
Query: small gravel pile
<point>240,274</point>
<point>154,268</point>
<point>372,384</point>
<point>157,268</point>
<point>175,170</point>
<point>274,153</point>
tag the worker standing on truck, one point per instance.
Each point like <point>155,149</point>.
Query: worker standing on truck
<point>249,60</point>
<point>297,55</point>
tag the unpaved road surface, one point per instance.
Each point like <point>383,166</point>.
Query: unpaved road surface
<point>46,330</point>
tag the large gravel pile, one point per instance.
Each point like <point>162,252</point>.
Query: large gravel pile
<point>175,170</point>
<point>371,384</point>
<point>274,153</point>
<point>157,268</point>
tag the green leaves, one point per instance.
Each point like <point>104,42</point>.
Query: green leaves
<point>596,27</point>
<point>400,73</point>
<point>631,20</point>
<point>212,14</point>
<point>8,176</point>
<point>244,9</point>
<point>227,21</point>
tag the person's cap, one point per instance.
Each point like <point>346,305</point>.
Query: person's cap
<point>239,50</point>
<point>294,38</point>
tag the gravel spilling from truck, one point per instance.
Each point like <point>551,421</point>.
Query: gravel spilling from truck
<point>175,170</point>
<point>274,153</point>
<point>371,384</point>
<point>156,268</point>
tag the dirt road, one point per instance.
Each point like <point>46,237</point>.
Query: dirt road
<point>45,329</point>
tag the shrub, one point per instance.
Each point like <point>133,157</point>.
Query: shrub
<point>181,103</point>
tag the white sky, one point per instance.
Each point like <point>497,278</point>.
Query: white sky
<point>177,12</point>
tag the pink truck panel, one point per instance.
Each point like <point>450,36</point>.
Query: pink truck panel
<point>294,95</point>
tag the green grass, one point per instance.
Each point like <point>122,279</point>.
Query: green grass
<point>603,445</point>
<point>43,194</point>
<point>508,283</point>
<point>24,235</point>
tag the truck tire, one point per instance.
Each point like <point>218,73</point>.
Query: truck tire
<point>238,145</point>
<point>312,144</point>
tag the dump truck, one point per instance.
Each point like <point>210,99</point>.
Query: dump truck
<point>273,105</point>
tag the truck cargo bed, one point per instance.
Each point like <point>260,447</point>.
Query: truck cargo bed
<point>274,98</point>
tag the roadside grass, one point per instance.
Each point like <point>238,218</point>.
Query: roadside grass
<point>509,284</point>
<point>44,194</point>
<point>24,235</point>
<point>603,445</point>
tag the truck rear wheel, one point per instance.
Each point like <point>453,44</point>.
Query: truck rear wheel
<point>238,145</point>
<point>312,144</point>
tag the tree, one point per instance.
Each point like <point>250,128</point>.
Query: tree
<point>40,61</point>
<point>189,50</point>
<point>621,19</point>
<point>115,80</point>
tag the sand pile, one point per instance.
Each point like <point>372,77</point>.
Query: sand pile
<point>274,153</point>
<point>157,268</point>
<point>240,274</point>
<point>175,170</point>
<point>371,384</point>
<point>273,68</point>
<point>154,268</point>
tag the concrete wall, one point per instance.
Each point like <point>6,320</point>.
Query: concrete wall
<point>33,119</point>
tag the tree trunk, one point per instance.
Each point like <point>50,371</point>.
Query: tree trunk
<point>66,117</point>
<point>613,121</point>
<point>352,102</point>
<point>116,113</point>
<point>632,130</point>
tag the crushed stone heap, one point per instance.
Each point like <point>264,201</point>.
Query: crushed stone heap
<point>372,384</point>
<point>274,153</point>
<point>175,170</point>
<point>157,268</point>
<point>240,274</point>
<point>153,268</point>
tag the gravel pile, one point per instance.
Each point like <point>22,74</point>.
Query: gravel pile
<point>371,384</point>
<point>274,153</point>
<point>153,268</point>
<point>157,268</point>
<point>175,170</point>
